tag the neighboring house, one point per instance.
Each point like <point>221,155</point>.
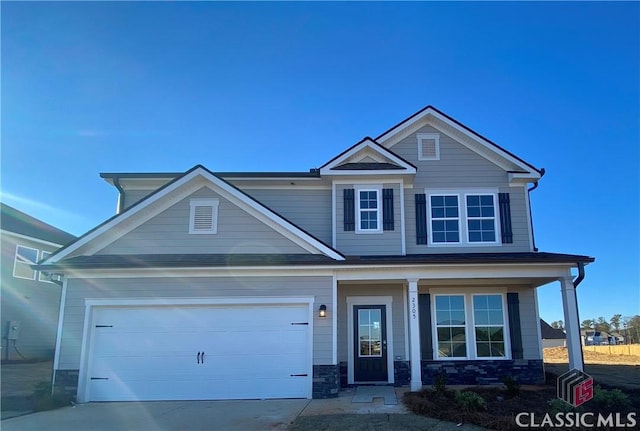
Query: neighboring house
<point>30,301</point>
<point>404,257</point>
<point>596,338</point>
<point>552,337</point>
<point>616,338</point>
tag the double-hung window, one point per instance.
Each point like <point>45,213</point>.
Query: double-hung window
<point>462,218</point>
<point>369,210</point>
<point>470,326</point>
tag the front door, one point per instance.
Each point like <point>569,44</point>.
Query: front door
<point>370,338</point>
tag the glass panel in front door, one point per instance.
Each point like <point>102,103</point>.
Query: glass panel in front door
<point>369,334</point>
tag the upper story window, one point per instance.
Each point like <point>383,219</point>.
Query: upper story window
<point>468,218</point>
<point>203,217</point>
<point>25,257</point>
<point>428,146</point>
<point>42,276</point>
<point>368,211</point>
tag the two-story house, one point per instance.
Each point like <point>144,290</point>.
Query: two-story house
<point>404,257</point>
<point>30,299</point>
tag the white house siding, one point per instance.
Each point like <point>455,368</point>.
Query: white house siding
<point>168,233</point>
<point>355,244</point>
<point>397,307</point>
<point>460,168</point>
<point>33,303</point>
<point>309,209</point>
<point>193,287</point>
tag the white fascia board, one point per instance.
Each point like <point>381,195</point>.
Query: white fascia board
<point>522,177</point>
<point>380,172</point>
<point>326,170</point>
<point>171,194</point>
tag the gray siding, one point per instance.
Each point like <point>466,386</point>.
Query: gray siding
<point>460,168</point>
<point>309,209</point>
<point>358,244</point>
<point>33,303</point>
<point>398,314</point>
<point>216,287</point>
<point>168,232</point>
<point>133,196</point>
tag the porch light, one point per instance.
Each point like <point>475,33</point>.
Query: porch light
<point>322,312</point>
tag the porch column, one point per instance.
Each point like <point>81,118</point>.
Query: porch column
<point>414,334</point>
<point>571,323</point>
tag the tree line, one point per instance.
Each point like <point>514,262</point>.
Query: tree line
<point>627,326</point>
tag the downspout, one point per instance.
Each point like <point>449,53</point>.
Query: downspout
<point>535,186</point>
<point>116,183</point>
<point>576,282</point>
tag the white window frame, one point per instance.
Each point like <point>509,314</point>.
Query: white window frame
<point>378,190</point>
<point>208,202</point>
<point>503,326</point>
<point>431,136</point>
<point>43,255</point>
<point>463,219</point>
<point>435,326</point>
<point>470,336</point>
<point>15,262</point>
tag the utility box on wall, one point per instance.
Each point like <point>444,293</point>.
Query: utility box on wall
<point>13,330</point>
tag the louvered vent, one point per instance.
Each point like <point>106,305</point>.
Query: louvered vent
<point>204,216</point>
<point>428,146</point>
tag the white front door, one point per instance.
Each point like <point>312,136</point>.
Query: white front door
<point>199,352</point>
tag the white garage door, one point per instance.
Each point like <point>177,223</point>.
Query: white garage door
<point>199,353</point>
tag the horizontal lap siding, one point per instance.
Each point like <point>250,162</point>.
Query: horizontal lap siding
<point>353,243</point>
<point>398,314</point>
<point>309,209</point>
<point>219,287</point>
<point>168,232</point>
<point>459,168</point>
<point>133,196</point>
<point>529,323</point>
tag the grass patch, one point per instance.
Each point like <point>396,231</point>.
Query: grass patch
<point>496,407</point>
<point>42,399</point>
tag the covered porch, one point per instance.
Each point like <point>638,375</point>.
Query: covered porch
<point>473,321</point>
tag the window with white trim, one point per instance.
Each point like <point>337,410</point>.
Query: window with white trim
<point>488,323</point>
<point>203,217</point>
<point>25,257</point>
<point>463,218</point>
<point>451,335</point>
<point>428,146</point>
<point>369,210</point>
<point>470,326</point>
<point>42,276</point>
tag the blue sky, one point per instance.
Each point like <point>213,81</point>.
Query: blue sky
<point>137,87</point>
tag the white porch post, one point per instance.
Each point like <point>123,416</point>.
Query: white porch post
<point>571,323</point>
<point>414,334</point>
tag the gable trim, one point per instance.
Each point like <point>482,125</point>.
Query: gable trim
<point>385,139</point>
<point>405,166</point>
<point>162,199</point>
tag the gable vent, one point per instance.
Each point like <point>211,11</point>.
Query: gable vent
<point>204,216</point>
<point>428,146</point>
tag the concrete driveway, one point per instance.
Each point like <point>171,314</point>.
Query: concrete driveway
<point>249,415</point>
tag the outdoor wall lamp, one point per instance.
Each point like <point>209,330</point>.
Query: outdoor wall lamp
<point>322,312</point>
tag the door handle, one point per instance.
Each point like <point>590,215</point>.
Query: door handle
<point>202,358</point>
<point>198,358</point>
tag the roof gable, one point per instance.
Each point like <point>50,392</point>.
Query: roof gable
<point>367,156</point>
<point>173,192</point>
<point>517,167</point>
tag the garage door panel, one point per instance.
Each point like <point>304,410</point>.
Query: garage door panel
<point>150,353</point>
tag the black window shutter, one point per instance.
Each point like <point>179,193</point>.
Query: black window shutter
<point>424,309</point>
<point>421,218</point>
<point>515,332</point>
<point>505,218</point>
<point>387,209</point>
<point>349,210</point>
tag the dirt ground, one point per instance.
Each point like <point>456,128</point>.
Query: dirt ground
<point>615,370</point>
<point>560,355</point>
